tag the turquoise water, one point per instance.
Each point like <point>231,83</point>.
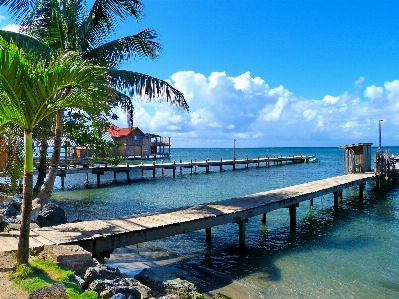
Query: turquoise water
<point>349,253</point>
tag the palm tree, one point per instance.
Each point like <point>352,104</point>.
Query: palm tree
<point>67,25</point>
<point>31,91</point>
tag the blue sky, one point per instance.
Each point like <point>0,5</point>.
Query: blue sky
<point>272,73</point>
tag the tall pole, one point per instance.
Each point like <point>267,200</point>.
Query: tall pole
<point>379,134</point>
<point>234,149</point>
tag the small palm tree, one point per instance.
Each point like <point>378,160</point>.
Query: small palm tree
<point>68,25</point>
<point>31,91</point>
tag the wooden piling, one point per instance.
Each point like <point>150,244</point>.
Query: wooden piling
<point>336,200</point>
<point>208,235</point>
<point>241,234</point>
<point>311,202</point>
<point>292,209</point>
<point>361,191</point>
<point>263,218</point>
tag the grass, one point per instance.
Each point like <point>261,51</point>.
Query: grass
<point>40,273</point>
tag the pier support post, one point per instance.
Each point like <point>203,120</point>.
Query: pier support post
<point>241,234</point>
<point>128,175</point>
<point>114,175</point>
<point>292,209</point>
<point>361,191</point>
<point>98,180</point>
<point>311,202</point>
<point>208,235</point>
<point>181,168</point>
<point>340,197</point>
<point>221,167</point>
<point>335,200</point>
<point>263,218</point>
<point>62,181</point>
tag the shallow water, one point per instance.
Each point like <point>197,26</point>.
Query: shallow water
<point>349,253</point>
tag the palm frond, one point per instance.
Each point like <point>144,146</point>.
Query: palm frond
<point>146,87</point>
<point>30,45</point>
<point>115,52</point>
<point>19,8</point>
<point>104,17</point>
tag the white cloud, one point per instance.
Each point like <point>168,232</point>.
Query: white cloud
<point>11,27</point>
<point>224,108</point>
<point>373,92</point>
<point>392,89</point>
<point>359,81</point>
<point>330,99</point>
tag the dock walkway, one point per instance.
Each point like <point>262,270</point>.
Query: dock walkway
<point>102,236</point>
<point>100,168</point>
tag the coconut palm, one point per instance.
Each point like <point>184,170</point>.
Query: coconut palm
<point>68,25</point>
<point>31,91</point>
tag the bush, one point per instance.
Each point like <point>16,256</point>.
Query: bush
<point>40,273</point>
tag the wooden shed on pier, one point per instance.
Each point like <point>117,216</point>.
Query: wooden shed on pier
<point>357,157</point>
<point>135,143</point>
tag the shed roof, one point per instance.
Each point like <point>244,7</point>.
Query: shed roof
<point>357,144</point>
<point>115,131</point>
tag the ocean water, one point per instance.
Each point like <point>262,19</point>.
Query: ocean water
<point>349,253</point>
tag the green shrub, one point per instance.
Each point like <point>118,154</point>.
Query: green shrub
<point>40,273</point>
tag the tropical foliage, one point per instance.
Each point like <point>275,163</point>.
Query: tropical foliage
<point>32,90</point>
<point>64,25</point>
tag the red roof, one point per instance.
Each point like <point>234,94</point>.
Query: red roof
<point>115,131</point>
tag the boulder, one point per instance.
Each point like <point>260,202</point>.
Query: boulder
<point>55,291</point>
<point>9,210</point>
<point>164,282</point>
<point>100,272</point>
<point>51,215</point>
<point>70,257</point>
<point>17,202</point>
<point>108,288</point>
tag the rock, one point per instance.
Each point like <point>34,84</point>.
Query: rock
<point>70,257</point>
<point>129,287</point>
<point>55,291</point>
<point>164,282</point>
<point>118,296</point>
<point>3,223</point>
<point>100,272</point>
<point>127,291</point>
<point>108,288</point>
<point>145,291</point>
<point>51,215</point>
<point>9,210</point>
<point>17,202</point>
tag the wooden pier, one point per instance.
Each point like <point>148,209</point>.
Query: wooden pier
<point>100,168</point>
<point>102,236</point>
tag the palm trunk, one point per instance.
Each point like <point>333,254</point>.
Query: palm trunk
<point>23,242</point>
<point>42,167</point>
<point>45,193</point>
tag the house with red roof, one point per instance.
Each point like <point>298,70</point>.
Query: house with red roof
<point>135,143</point>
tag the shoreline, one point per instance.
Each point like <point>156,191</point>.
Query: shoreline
<point>132,260</point>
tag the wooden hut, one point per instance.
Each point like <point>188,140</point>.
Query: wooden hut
<point>357,157</point>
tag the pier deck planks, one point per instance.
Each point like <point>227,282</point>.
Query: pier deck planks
<point>106,235</point>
